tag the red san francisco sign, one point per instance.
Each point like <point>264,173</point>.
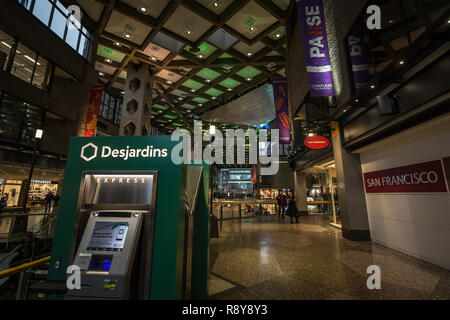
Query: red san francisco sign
<point>317,142</point>
<point>427,177</point>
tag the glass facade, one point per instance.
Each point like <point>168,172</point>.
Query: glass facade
<point>54,15</point>
<point>111,108</point>
<point>26,64</point>
<point>19,120</point>
<point>6,45</point>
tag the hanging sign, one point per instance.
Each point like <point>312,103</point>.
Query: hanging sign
<point>358,55</point>
<point>312,26</point>
<point>254,174</point>
<point>95,99</point>
<point>317,142</point>
<point>427,177</point>
<point>282,109</point>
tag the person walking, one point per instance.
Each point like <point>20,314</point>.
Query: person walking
<point>48,201</point>
<point>283,204</point>
<point>292,210</point>
<point>279,204</point>
<point>56,201</point>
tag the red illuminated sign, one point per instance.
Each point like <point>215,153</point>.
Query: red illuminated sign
<point>423,177</point>
<point>317,142</point>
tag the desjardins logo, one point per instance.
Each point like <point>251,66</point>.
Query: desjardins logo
<point>90,152</point>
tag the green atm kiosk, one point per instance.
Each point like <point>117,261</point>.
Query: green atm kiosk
<point>135,224</point>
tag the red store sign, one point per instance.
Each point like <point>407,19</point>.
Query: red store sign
<point>317,142</point>
<point>423,177</point>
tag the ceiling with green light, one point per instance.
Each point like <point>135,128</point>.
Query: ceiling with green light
<point>203,53</point>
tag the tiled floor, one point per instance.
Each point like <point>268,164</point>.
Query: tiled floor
<point>268,258</point>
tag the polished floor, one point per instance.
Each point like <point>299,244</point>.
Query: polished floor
<point>267,258</point>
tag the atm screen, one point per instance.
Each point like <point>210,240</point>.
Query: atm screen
<point>108,236</point>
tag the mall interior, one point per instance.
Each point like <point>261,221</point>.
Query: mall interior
<point>359,92</point>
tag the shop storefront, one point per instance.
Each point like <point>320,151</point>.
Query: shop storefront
<point>321,192</point>
<point>10,191</point>
<point>39,190</point>
<point>234,184</point>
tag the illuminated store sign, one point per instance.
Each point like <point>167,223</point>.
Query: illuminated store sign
<point>91,151</point>
<point>317,143</point>
<point>423,177</point>
<point>120,179</point>
<point>43,181</point>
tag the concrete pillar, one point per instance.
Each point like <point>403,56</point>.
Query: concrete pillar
<point>137,102</point>
<point>300,192</point>
<point>352,198</point>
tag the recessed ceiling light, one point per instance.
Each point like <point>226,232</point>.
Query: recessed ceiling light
<point>143,9</point>
<point>356,100</point>
<point>402,62</point>
<point>251,28</point>
<point>372,86</point>
<point>192,90</point>
<point>160,111</point>
<point>249,54</point>
<point>189,111</point>
<point>200,56</point>
<point>101,74</point>
<point>169,82</point>
<point>214,4</point>
<point>188,31</point>
<point>249,79</point>
<point>214,98</point>
<point>200,104</point>
<point>278,35</point>
<point>117,44</point>
<point>128,35</point>
<point>208,81</point>
<point>230,89</point>
<point>153,58</point>
<point>180,98</point>
<point>107,60</point>
<point>122,92</point>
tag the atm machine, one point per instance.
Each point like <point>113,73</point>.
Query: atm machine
<point>110,247</point>
<point>137,226</point>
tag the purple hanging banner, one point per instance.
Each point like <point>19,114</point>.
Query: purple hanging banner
<point>314,35</point>
<point>282,109</point>
<point>358,55</point>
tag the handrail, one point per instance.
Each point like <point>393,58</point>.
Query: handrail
<point>23,267</point>
<point>20,245</point>
<point>25,215</point>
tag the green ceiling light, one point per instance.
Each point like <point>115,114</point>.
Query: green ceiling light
<point>213,92</point>
<point>109,53</point>
<point>160,107</point>
<point>226,56</point>
<point>230,83</point>
<point>248,72</point>
<point>193,85</point>
<point>200,100</point>
<point>208,74</point>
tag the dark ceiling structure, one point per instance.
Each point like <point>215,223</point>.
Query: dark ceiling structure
<point>203,53</point>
